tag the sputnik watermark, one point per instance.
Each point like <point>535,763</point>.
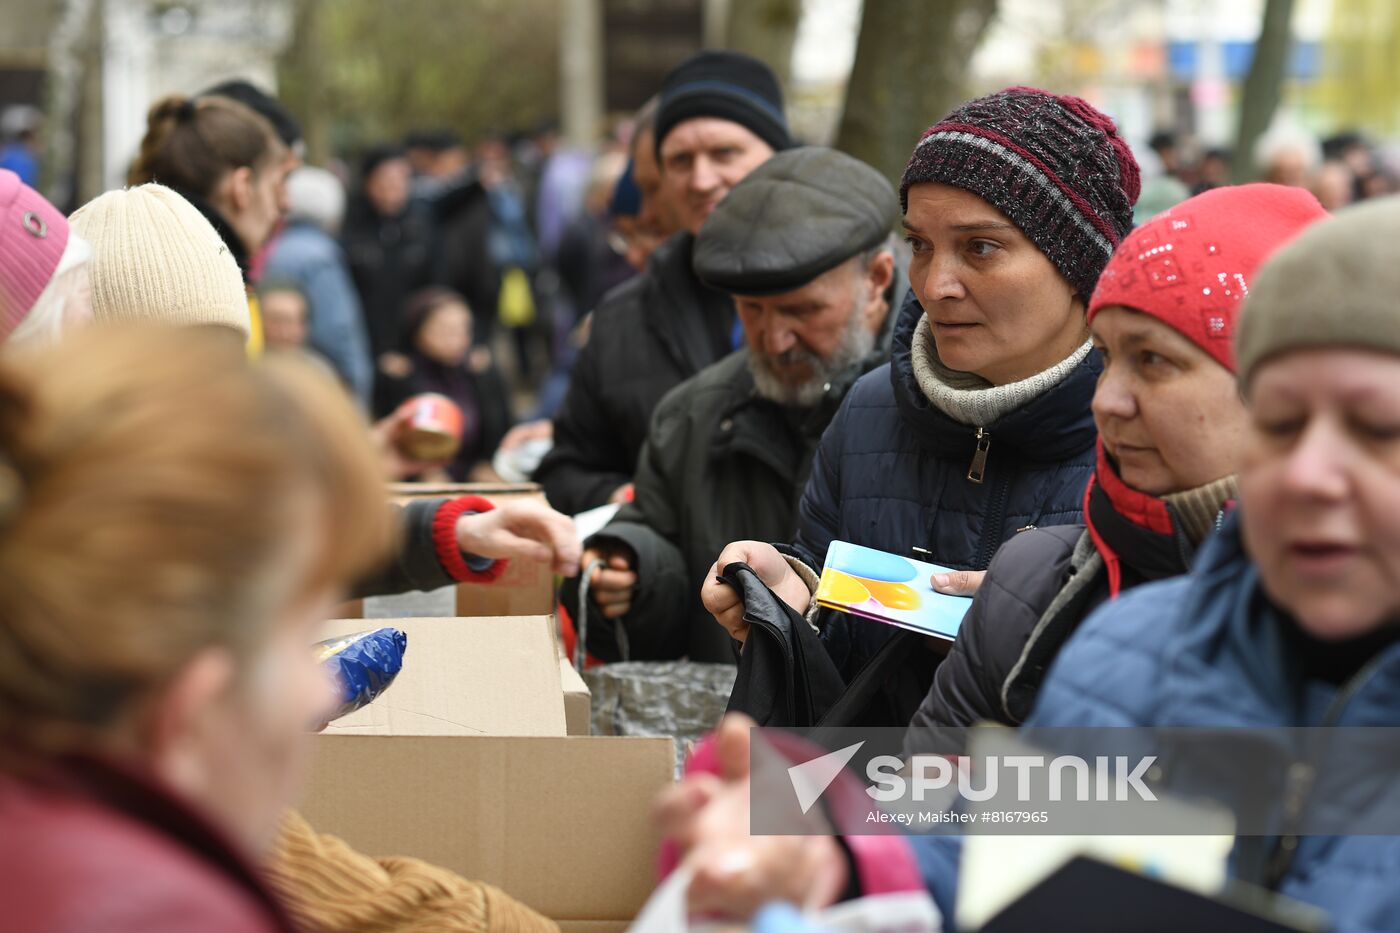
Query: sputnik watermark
<point>811,778</point>
<point>1110,781</point>
<point>1113,778</point>
<point>893,779</point>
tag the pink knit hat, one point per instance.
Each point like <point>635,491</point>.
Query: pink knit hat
<point>33,235</point>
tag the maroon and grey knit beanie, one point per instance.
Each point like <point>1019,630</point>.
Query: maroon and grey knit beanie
<point>1052,163</point>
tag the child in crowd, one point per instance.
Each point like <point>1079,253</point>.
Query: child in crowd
<point>438,357</point>
<point>285,312</point>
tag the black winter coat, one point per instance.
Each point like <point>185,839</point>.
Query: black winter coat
<point>648,336</point>
<point>892,473</point>
<point>236,247</point>
<point>463,263</point>
<point>721,464</point>
<point>390,258</point>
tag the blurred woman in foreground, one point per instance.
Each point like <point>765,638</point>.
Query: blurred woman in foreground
<point>174,526</point>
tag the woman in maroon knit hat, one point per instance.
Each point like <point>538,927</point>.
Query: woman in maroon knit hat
<point>1171,434</point>
<point>980,425</point>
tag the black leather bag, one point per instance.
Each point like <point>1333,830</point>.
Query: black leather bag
<point>786,678</point>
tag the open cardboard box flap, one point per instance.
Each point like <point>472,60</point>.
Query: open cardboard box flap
<point>464,762</point>
<point>402,492</point>
<point>578,700</point>
<point>484,676</point>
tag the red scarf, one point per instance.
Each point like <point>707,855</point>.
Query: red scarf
<point>1147,512</point>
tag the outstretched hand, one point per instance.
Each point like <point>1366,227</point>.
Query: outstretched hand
<point>384,436</point>
<point>522,529</point>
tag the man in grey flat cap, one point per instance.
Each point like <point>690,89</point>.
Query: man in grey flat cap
<point>803,244</point>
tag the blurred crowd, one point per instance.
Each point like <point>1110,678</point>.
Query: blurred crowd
<point>429,264</point>
<point>1341,169</point>
<point>470,270</point>
<point>1145,422</point>
<point>422,265</point>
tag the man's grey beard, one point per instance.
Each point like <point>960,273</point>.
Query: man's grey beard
<point>857,342</point>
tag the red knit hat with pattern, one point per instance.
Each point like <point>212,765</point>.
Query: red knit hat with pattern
<point>1191,265</point>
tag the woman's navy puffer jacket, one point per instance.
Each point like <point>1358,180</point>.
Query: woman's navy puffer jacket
<point>892,473</point>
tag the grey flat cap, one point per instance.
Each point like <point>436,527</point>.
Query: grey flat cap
<point>801,213</point>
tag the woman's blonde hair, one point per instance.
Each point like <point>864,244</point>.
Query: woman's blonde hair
<point>150,479</point>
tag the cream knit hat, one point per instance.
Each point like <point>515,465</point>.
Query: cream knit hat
<point>158,258</point>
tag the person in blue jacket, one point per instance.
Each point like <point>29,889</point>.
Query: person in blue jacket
<point>1290,616</point>
<point>980,425</point>
<point>307,253</point>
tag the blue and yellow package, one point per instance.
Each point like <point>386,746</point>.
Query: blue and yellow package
<point>363,665</point>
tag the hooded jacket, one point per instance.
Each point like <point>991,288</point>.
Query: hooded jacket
<point>892,473</point>
<point>1211,650</point>
<point>648,336</point>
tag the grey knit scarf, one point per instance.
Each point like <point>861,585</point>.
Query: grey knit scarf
<point>968,398</point>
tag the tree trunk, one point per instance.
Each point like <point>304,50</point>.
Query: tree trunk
<point>765,29</point>
<point>581,71</point>
<point>910,69</point>
<point>1263,86</point>
<point>68,53</point>
<point>303,63</point>
<point>91,156</point>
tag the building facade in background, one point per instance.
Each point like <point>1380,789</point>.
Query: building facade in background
<point>93,67</point>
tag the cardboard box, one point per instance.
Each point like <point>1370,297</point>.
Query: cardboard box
<point>464,762</point>
<point>578,701</point>
<point>402,492</point>
<point>563,824</point>
<point>495,676</point>
<point>524,589</point>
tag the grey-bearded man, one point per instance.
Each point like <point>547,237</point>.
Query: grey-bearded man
<point>803,244</point>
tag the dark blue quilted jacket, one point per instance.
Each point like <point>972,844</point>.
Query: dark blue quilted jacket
<point>892,473</point>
